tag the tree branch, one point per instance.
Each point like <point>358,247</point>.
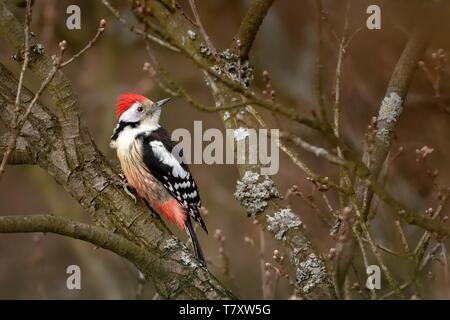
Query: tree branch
<point>137,30</point>
<point>200,26</point>
<point>312,278</point>
<point>93,186</point>
<point>391,106</point>
<point>67,152</point>
<point>176,27</point>
<point>20,155</point>
<point>390,110</point>
<point>15,122</point>
<point>144,260</point>
<point>243,40</point>
<point>431,225</point>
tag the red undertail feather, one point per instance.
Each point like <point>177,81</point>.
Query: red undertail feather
<point>125,101</point>
<point>174,212</point>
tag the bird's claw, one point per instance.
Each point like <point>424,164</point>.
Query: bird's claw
<point>129,190</point>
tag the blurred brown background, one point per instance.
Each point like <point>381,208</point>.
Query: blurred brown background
<point>33,266</point>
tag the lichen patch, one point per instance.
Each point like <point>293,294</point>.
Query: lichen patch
<point>391,108</point>
<point>282,221</point>
<point>253,192</point>
<point>191,34</point>
<point>311,273</point>
<point>233,67</point>
<point>170,244</point>
<point>188,261</point>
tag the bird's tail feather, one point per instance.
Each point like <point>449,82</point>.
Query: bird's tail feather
<point>197,249</point>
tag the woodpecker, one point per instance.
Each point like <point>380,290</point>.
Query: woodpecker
<point>161,179</point>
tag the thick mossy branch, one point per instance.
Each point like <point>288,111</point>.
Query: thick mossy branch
<point>62,146</point>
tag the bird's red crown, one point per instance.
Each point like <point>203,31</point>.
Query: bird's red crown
<point>125,101</point>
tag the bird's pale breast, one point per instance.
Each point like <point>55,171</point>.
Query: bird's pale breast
<point>138,176</point>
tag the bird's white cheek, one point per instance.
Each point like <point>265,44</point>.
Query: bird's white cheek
<point>113,144</point>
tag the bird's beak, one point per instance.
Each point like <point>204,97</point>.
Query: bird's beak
<point>160,103</point>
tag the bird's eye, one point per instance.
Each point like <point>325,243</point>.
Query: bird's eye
<point>140,109</point>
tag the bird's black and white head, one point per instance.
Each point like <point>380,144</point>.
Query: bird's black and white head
<point>136,111</point>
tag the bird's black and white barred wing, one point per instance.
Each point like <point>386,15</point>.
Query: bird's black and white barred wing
<point>172,173</point>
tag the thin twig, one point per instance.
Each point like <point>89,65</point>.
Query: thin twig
<point>391,280</point>
<point>317,151</point>
<point>199,23</point>
<point>175,89</point>
<point>387,250</point>
<point>420,268</point>
<point>310,203</point>
<point>444,261</point>
<point>405,244</point>
<point>262,262</point>
<point>428,258</point>
<point>57,64</point>
<point>337,84</point>
<point>422,245</point>
<point>391,293</point>
<point>373,294</point>
<point>26,57</point>
<point>100,30</point>
<point>51,74</point>
<point>328,204</point>
<point>407,214</point>
<point>344,177</point>
<point>353,36</point>
<point>137,30</point>
<point>318,63</point>
<point>323,183</point>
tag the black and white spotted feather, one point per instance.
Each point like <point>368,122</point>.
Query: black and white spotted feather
<point>172,173</point>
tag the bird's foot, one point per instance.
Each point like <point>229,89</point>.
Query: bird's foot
<point>129,190</point>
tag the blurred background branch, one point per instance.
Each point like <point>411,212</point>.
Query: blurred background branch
<point>372,188</point>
